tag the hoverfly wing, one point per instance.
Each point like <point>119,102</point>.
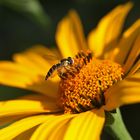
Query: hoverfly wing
<point>51,58</point>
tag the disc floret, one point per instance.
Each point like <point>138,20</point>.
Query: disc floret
<point>86,90</point>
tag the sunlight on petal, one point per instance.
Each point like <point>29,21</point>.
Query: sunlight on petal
<point>69,35</point>
<point>20,126</point>
<point>28,105</point>
<point>50,126</point>
<point>124,92</point>
<point>91,120</point>
<point>127,41</point>
<point>108,29</point>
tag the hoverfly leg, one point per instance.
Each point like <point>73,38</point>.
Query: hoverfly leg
<point>63,76</point>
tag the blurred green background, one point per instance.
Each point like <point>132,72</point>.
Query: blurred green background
<point>24,23</point>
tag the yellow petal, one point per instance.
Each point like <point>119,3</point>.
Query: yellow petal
<point>51,126</point>
<point>28,105</point>
<point>124,92</point>
<point>49,87</point>
<point>78,29</point>
<point>127,42</point>
<point>108,29</point>
<point>9,119</point>
<point>59,130</point>
<point>133,55</point>
<point>135,68</point>
<point>17,75</point>
<point>20,126</point>
<point>69,35</point>
<point>13,74</point>
<point>111,55</point>
<point>47,53</point>
<point>32,61</point>
<point>47,56</point>
<point>25,135</point>
<point>86,126</point>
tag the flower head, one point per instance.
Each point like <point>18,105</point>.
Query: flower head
<point>65,106</point>
<point>85,90</point>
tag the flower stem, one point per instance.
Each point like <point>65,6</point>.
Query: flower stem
<point>118,129</point>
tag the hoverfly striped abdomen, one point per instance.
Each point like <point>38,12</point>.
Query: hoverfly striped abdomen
<point>51,70</point>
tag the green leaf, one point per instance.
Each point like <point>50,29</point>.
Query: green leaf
<point>31,9</point>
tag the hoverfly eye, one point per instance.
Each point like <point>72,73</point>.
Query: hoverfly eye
<point>63,60</point>
<point>70,60</point>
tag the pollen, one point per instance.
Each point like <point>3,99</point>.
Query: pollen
<point>85,91</point>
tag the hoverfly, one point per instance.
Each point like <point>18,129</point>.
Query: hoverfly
<point>60,68</point>
<point>68,67</point>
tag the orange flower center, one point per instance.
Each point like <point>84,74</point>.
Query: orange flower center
<point>86,88</point>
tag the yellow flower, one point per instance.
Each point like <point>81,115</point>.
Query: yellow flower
<point>40,116</point>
